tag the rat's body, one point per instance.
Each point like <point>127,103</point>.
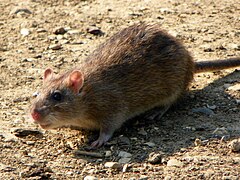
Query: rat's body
<point>137,69</point>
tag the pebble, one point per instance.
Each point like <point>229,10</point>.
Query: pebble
<point>55,47</point>
<point>108,153</point>
<point>20,10</point>
<point>124,154</point>
<point>142,132</point>
<point>123,140</point>
<point>235,145</point>
<point>150,144</point>
<point>25,31</point>
<point>155,158</point>
<point>124,160</point>
<point>113,165</point>
<point>90,178</point>
<point>203,110</point>
<point>174,162</point>
<point>238,101</point>
<point>59,30</point>
<point>30,142</point>
<point>94,30</point>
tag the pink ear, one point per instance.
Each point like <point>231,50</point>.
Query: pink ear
<point>47,74</point>
<point>76,81</point>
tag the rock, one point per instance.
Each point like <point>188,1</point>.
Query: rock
<point>155,158</point>
<point>124,154</point>
<point>235,145</point>
<point>211,107</point>
<point>235,87</point>
<point>113,165</point>
<point>55,47</point>
<point>123,140</point>
<point>174,162</point>
<point>124,160</point>
<point>142,132</point>
<point>108,153</point>
<point>90,178</point>
<point>60,30</point>
<point>150,144</point>
<point>30,142</point>
<point>238,101</point>
<point>25,31</point>
<point>94,30</point>
<point>203,110</point>
<point>20,10</point>
<point>41,30</point>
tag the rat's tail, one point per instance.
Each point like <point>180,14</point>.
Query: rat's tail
<point>204,66</point>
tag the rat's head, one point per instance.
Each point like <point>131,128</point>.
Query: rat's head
<point>55,106</point>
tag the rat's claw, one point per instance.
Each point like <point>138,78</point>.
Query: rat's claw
<point>102,139</point>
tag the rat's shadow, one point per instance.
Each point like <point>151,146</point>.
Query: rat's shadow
<point>180,126</point>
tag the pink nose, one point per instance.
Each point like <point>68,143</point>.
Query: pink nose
<point>35,115</point>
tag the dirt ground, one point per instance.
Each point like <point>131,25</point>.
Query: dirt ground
<point>190,142</point>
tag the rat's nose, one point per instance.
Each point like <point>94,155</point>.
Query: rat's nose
<point>36,115</point>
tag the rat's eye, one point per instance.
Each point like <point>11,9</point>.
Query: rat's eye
<point>57,96</point>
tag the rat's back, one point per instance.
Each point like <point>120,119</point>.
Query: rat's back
<point>144,65</point>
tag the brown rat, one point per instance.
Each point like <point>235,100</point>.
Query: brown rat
<point>137,69</point>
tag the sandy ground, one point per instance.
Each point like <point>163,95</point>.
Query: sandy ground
<point>185,144</point>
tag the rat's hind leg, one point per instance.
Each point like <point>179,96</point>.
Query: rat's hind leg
<point>158,113</point>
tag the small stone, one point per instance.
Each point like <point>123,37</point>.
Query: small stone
<point>235,87</point>
<point>203,110</point>
<point>113,165</point>
<point>20,10</point>
<point>30,142</point>
<point>235,145</point>
<point>238,101</point>
<point>212,107</point>
<point>108,153</point>
<point>94,30</point>
<point>124,154</point>
<point>174,162</point>
<point>24,31</point>
<point>155,158</point>
<point>59,30</point>
<point>90,178</point>
<point>124,160</point>
<point>41,30</point>
<point>142,132</point>
<point>150,144</point>
<point>55,47</point>
<point>123,140</point>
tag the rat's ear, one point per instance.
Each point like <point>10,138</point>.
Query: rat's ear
<point>48,73</point>
<point>75,81</point>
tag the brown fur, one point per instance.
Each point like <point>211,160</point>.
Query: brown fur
<point>137,69</point>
